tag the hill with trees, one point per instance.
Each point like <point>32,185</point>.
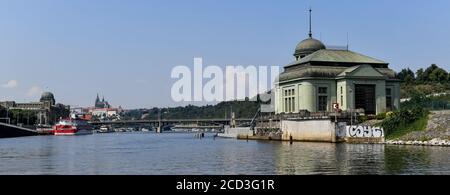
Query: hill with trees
<point>243,109</point>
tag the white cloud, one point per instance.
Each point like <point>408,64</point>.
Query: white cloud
<point>34,91</point>
<point>11,84</point>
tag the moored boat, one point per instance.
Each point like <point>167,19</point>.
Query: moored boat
<point>72,127</point>
<point>45,130</point>
<point>105,129</point>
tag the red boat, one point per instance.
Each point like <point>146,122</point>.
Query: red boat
<point>73,127</point>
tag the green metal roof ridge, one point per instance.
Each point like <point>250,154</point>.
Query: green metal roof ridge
<point>339,56</point>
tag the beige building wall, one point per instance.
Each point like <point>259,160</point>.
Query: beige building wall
<point>340,91</point>
<point>306,95</point>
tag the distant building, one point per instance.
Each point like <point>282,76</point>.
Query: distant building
<point>320,78</point>
<point>102,103</point>
<point>81,113</point>
<point>48,112</point>
<point>103,110</point>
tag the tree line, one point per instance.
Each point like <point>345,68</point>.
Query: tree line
<point>242,109</point>
<point>432,74</point>
<point>25,117</point>
<point>433,79</point>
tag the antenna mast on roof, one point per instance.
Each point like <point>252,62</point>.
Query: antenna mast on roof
<point>310,22</point>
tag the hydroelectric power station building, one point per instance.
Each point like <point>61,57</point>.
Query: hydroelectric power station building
<point>320,78</point>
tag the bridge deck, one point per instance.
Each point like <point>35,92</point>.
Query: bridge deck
<point>171,121</point>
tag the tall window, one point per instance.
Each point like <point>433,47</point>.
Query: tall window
<point>389,99</point>
<point>289,100</point>
<point>323,99</point>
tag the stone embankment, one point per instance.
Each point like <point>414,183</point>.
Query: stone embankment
<point>436,134</point>
<point>433,142</point>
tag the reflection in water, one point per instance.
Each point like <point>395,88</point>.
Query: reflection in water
<point>322,158</point>
<point>403,159</point>
<point>181,154</point>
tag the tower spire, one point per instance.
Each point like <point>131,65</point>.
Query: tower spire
<point>310,22</point>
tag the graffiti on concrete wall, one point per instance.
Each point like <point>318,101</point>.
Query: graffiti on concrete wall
<point>341,130</point>
<point>364,132</point>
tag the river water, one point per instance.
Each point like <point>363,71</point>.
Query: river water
<point>182,154</point>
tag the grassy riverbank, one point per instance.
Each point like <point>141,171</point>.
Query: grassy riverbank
<point>418,125</point>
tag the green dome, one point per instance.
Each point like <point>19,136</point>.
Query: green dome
<point>308,46</point>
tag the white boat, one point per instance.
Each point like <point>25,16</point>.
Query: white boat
<point>105,129</point>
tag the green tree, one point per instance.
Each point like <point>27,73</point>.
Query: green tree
<point>420,75</point>
<point>407,75</point>
<point>438,75</point>
<point>428,72</point>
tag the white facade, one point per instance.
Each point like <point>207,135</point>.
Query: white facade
<point>108,112</point>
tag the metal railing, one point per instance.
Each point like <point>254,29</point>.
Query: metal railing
<point>7,120</point>
<point>438,105</point>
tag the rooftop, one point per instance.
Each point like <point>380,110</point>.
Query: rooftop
<point>337,56</point>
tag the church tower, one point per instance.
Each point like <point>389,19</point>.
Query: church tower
<point>97,101</point>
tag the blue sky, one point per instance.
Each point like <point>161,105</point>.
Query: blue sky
<point>126,50</point>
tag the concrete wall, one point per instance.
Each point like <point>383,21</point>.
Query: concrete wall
<point>236,132</point>
<point>310,130</point>
<point>360,134</point>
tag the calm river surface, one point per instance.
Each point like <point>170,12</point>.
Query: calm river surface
<point>181,154</point>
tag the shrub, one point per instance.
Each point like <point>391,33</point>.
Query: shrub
<point>363,119</point>
<point>390,114</point>
<point>402,118</point>
<point>381,116</point>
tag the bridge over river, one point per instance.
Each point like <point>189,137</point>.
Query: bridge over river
<point>180,123</point>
